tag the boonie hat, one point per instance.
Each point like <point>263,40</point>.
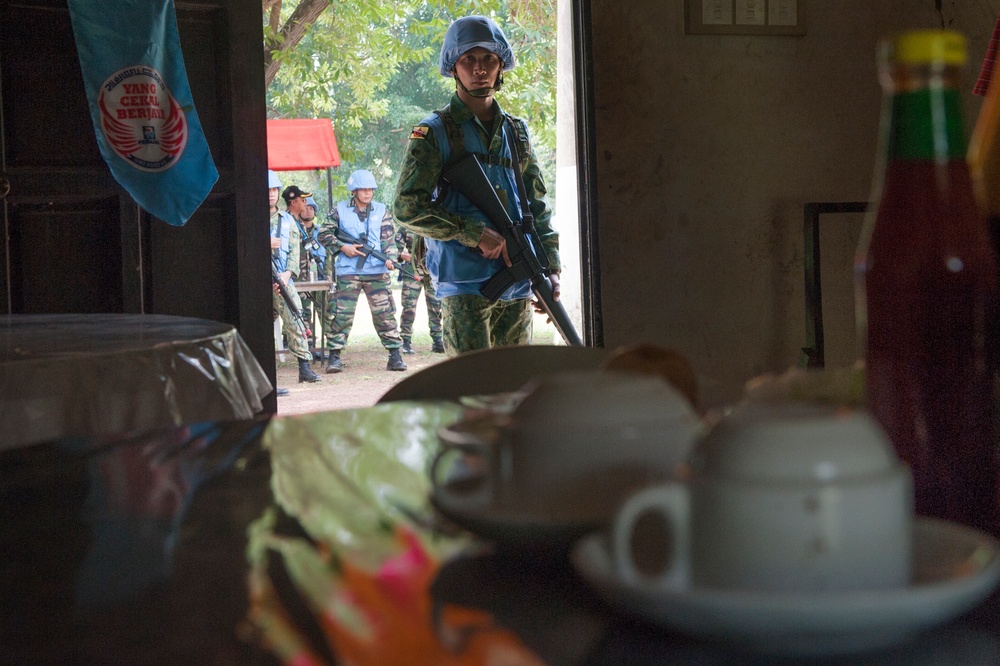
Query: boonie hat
<point>293,192</point>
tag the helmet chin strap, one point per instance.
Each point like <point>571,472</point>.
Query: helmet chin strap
<point>480,92</point>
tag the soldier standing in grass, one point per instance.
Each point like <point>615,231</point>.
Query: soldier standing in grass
<point>463,249</point>
<point>371,223</point>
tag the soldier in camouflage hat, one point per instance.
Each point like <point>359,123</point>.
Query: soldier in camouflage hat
<point>285,246</point>
<point>371,223</point>
<point>463,249</point>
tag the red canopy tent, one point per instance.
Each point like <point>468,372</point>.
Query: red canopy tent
<point>302,143</point>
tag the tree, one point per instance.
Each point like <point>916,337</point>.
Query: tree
<point>283,39</point>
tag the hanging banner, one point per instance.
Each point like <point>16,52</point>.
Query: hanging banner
<point>141,104</point>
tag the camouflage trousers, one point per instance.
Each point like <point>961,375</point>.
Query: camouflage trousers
<point>409,294</point>
<point>471,322</point>
<point>343,303</point>
<point>296,341</point>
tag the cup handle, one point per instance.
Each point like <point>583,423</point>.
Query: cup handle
<point>474,492</point>
<point>651,537</point>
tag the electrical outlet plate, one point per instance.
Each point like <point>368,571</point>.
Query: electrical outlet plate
<point>744,17</point>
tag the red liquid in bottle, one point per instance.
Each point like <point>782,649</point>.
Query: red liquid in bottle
<point>930,283</point>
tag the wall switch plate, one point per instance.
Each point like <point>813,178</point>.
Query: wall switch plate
<point>744,17</point>
<point>782,12</point>
<point>717,12</point>
<point>750,12</point>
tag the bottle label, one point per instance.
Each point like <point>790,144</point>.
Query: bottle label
<point>926,124</point>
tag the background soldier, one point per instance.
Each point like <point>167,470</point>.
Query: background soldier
<point>285,248</point>
<point>312,265</point>
<point>370,222</point>
<point>410,293</point>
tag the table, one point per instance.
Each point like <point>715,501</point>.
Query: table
<point>318,316</point>
<point>313,543</point>
<point>318,285</point>
<point>88,374</point>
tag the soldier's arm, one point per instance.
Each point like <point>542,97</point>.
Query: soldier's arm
<point>414,207</point>
<point>294,251</point>
<point>327,232</point>
<point>538,204</point>
<point>387,235</point>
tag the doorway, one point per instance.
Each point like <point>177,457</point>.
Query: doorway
<point>569,178</point>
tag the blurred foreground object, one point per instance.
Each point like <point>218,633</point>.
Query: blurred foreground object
<point>927,286</point>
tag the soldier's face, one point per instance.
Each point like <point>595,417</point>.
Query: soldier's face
<point>364,195</point>
<point>478,68</point>
<point>295,206</point>
<point>273,195</point>
<point>308,213</point>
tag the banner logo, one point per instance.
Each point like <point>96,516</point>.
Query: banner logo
<point>141,120</point>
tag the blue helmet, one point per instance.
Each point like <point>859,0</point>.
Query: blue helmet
<point>272,179</point>
<point>469,32</point>
<point>362,179</point>
<point>312,202</point>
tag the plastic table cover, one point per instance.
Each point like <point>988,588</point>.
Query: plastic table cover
<point>91,374</point>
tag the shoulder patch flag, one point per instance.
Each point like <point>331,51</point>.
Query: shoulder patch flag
<point>419,132</point>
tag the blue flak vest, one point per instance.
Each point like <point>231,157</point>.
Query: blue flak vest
<point>455,268</point>
<point>285,222</point>
<point>369,232</point>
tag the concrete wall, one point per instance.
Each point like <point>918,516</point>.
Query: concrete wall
<point>707,148</point>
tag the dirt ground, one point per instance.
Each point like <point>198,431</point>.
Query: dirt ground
<point>361,384</point>
<point>365,378</point>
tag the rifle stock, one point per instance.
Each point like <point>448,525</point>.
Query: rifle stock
<point>467,176</point>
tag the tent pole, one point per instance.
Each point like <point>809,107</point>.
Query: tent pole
<point>329,187</point>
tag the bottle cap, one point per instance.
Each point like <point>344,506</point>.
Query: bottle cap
<point>927,46</point>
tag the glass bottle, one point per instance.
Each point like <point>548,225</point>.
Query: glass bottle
<point>926,286</point>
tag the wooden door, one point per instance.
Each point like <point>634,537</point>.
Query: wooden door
<point>74,240</point>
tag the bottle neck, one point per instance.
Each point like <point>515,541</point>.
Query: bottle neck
<point>926,124</point>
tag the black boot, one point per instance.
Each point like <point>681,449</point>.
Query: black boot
<point>395,361</point>
<point>334,363</point>
<point>305,372</point>
<point>406,348</point>
<point>438,346</point>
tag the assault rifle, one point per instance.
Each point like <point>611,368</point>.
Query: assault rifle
<point>367,249</point>
<point>289,303</point>
<point>466,175</point>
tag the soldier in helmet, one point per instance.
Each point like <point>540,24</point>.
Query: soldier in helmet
<point>463,249</point>
<point>370,222</point>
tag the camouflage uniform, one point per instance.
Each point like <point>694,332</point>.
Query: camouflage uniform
<point>316,256</point>
<point>470,321</point>
<point>410,292</point>
<point>293,335</point>
<point>342,305</point>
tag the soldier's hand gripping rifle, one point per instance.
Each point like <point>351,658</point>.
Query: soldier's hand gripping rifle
<point>289,303</point>
<point>367,250</point>
<point>466,175</point>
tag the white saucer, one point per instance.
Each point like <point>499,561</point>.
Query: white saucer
<point>955,567</point>
<point>555,519</point>
<point>535,526</point>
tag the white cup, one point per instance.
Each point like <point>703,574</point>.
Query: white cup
<point>582,437</point>
<point>779,498</point>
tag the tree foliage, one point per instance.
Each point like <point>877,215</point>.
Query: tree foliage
<point>372,68</point>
